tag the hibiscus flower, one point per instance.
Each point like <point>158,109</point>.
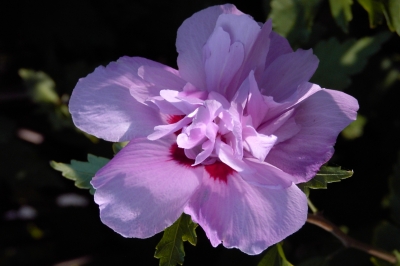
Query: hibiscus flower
<point>225,138</point>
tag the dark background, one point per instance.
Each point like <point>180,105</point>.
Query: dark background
<point>67,40</point>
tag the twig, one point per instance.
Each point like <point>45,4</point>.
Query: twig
<point>347,241</point>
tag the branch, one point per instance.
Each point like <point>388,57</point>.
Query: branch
<point>347,241</point>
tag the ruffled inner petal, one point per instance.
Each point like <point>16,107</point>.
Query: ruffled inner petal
<point>257,144</point>
<point>222,60</point>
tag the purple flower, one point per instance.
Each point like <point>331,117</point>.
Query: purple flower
<point>225,138</point>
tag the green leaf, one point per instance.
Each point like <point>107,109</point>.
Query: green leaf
<point>375,11</point>
<point>170,249</point>
<point>293,19</point>
<point>378,10</point>
<point>275,257</point>
<point>41,89</point>
<point>392,15</point>
<point>325,175</point>
<point>270,258</point>
<point>341,11</point>
<point>347,58</point>
<point>81,172</point>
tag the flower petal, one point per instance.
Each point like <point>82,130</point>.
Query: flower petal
<point>302,92</point>
<point>242,29</point>
<point>283,127</point>
<point>267,175</point>
<point>258,53</point>
<point>222,60</point>
<point>156,78</point>
<point>281,79</point>
<point>278,46</point>
<point>170,102</point>
<point>192,35</point>
<point>256,106</point>
<point>321,117</point>
<point>101,104</point>
<point>164,130</point>
<point>257,144</point>
<point>226,155</point>
<point>143,189</point>
<point>250,218</point>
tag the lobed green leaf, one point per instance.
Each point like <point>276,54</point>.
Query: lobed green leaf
<point>328,174</point>
<point>170,249</point>
<point>81,172</point>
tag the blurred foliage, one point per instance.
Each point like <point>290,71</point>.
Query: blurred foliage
<point>40,86</point>
<point>341,11</point>
<point>355,129</point>
<point>293,19</point>
<point>339,61</point>
<point>41,89</point>
<point>170,248</point>
<point>378,10</point>
<point>387,234</point>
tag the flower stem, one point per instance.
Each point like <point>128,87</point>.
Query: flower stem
<point>347,241</point>
<point>312,206</point>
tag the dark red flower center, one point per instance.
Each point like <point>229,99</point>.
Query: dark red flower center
<point>172,119</point>
<point>218,170</point>
<point>179,156</point>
